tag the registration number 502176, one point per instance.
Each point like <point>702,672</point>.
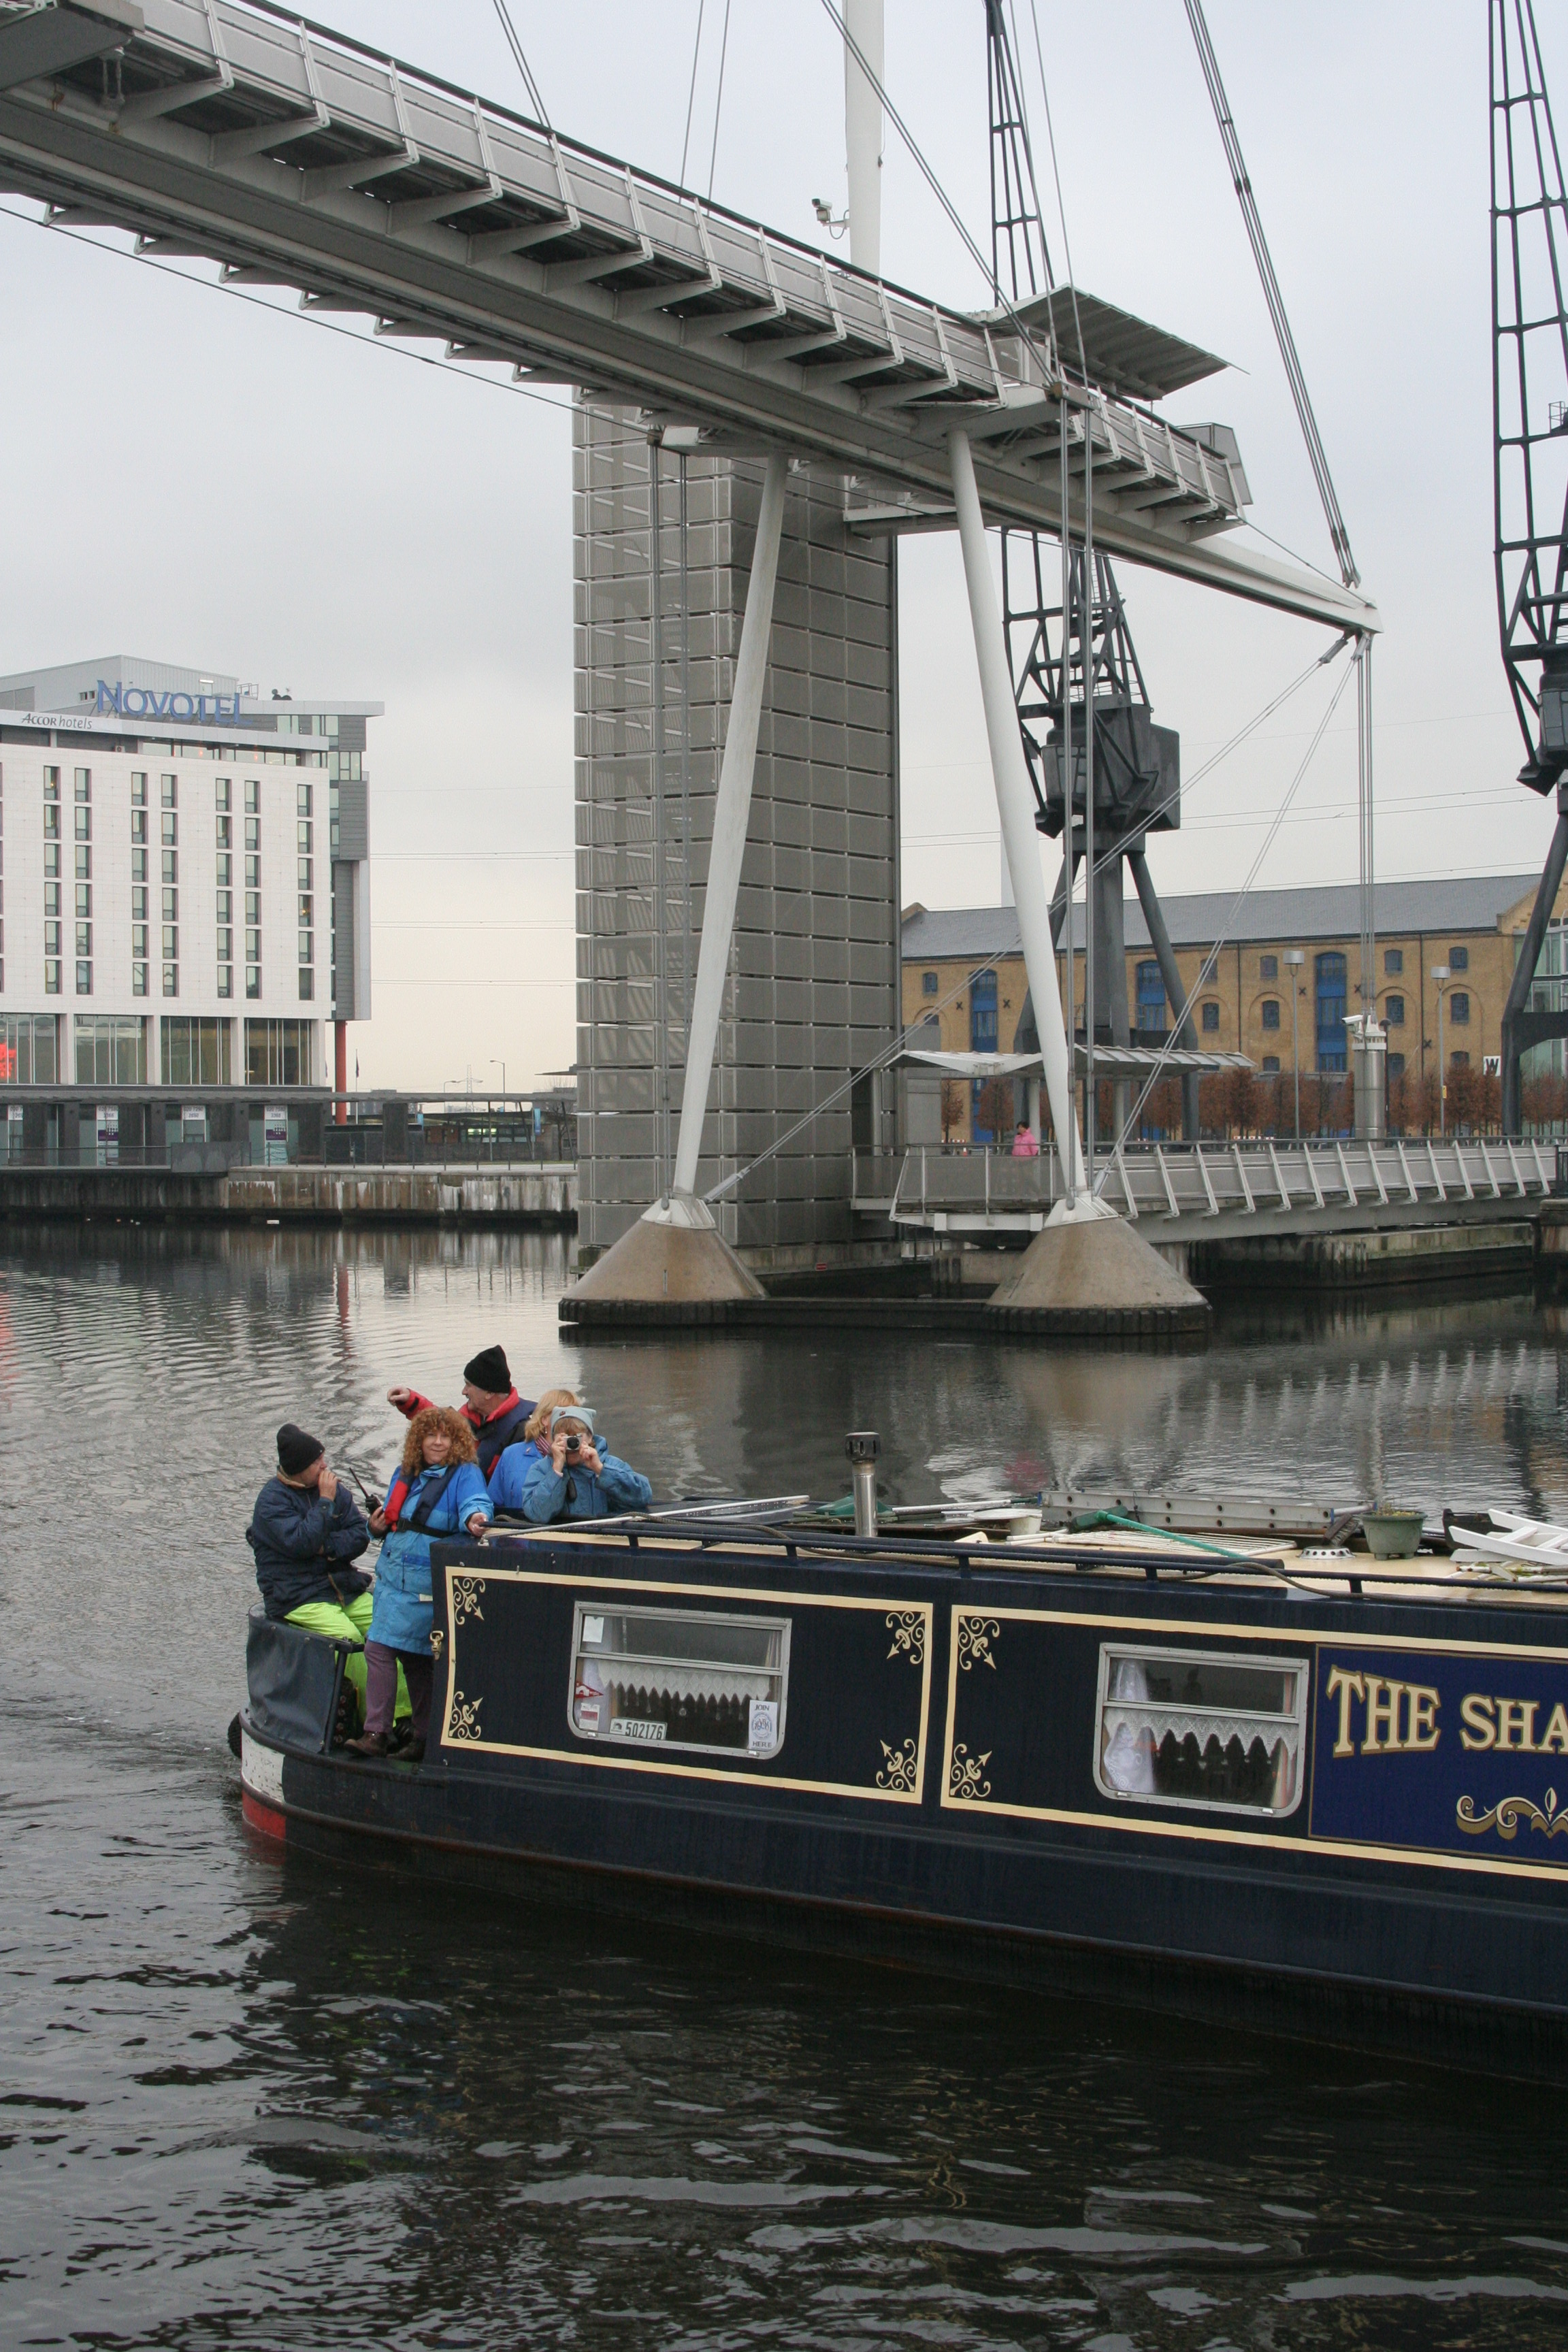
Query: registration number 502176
<point>632,1727</point>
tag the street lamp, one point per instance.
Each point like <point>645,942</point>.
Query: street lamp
<point>1440,973</point>
<point>497,1064</point>
<point>1295,959</point>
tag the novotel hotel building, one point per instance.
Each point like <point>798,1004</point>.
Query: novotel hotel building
<point>185,912</point>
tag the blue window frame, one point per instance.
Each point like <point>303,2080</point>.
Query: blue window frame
<point>1151,1006</point>
<point>984,1037</point>
<point>1332,992</point>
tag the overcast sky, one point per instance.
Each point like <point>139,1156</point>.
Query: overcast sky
<point>200,478</point>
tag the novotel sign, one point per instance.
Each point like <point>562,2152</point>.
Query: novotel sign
<point>146,702</point>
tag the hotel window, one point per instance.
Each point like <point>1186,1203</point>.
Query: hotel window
<point>252,796</point>
<point>1393,961</point>
<point>27,1047</point>
<point>1210,1018</point>
<point>1268,967</point>
<point>304,831</point>
<point>1212,1733</point>
<point>302,800</point>
<point>1458,959</point>
<point>195,1053</point>
<point>1271,1013</point>
<point>140,974</point>
<point>930,983</point>
<point>676,1678</point>
<point>1394,1012</point>
<point>169,792</point>
<point>1458,1007</point>
<point>253,833</point>
<point>170,865</point>
<point>307,868</point>
<point>54,983</point>
<point>278,1052</point>
<point>1271,1066</point>
<point>222,795</point>
<point>83,862</point>
<point>1396,1066</point>
<point>111,1050</point>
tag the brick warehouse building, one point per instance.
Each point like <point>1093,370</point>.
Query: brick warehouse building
<point>965,967</point>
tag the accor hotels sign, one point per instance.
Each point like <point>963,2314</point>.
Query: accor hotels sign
<point>146,702</point>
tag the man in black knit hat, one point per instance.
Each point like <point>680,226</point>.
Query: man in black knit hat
<point>305,1530</point>
<point>490,1405</point>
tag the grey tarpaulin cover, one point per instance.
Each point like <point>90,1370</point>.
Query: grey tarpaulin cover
<point>294,1679</point>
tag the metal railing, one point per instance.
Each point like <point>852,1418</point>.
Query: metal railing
<point>1195,1184</point>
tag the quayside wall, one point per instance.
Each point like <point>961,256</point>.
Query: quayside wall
<point>544,1196</point>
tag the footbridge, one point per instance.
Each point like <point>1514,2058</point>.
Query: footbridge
<point>1185,1193</point>
<point>293,156</point>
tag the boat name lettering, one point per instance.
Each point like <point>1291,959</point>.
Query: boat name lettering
<point>1462,1793</point>
<point>1509,1723</point>
<point>1386,1706</point>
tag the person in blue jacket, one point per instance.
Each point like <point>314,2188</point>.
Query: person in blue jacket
<point>574,1480</point>
<point>439,1491</point>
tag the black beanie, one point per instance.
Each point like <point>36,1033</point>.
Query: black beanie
<point>297,1450</point>
<point>488,1370</point>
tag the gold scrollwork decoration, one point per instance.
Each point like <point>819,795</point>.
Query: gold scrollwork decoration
<point>464,1722</point>
<point>908,1628</point>
<point>1506,1815</point>
<point>964,1774</point>
<point>466,1591</point>
<point>898,1772</point>
<point>976,1635</point>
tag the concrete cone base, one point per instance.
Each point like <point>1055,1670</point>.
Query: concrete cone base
<point>665,1265</point>
<point>1097,1278</point>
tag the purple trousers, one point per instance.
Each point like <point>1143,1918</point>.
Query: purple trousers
<point>381,1667</point>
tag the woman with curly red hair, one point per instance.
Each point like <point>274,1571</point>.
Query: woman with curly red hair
<point>439,1491</point>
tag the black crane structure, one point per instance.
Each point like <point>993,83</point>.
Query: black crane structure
<point>1529,415</point>
<point>1082,661</point>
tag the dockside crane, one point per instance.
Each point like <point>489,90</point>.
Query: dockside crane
<point>1068,638</point>
<point>1529,436</point>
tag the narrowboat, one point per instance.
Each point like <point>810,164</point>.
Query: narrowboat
<point>1274,1779</point>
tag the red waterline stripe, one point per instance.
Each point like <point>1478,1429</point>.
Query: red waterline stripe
<point>261,1817</point>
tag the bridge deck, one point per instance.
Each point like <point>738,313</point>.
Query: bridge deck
<point>1202,1192</point>
<point>296,157</point>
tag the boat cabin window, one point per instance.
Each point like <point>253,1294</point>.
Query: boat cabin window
<point>1190,1727</point>
<point>676,1678</point>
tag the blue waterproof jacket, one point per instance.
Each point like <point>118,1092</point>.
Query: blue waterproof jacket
<point>402,1609</point>
<point>303,1546</point>
<point>581,1493</point>
<point>512,1472</point>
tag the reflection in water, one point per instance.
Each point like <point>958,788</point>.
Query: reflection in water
<point>257,2101</point>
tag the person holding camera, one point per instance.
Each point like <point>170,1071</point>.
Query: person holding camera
<point>575,1479</point>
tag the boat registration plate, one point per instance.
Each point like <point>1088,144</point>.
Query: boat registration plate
<point>632,1727</point>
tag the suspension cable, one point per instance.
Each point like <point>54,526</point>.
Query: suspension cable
<point>718,98</point>
<point>1253,218</point>
<point>691,93</point>
<point>509,29</point>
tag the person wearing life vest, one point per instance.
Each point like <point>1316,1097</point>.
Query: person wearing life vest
<point>438,1493</point>
<point>492,1406</point>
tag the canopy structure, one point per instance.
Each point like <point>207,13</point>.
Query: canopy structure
<point>1110,1062</point>
<point>293,156</point>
